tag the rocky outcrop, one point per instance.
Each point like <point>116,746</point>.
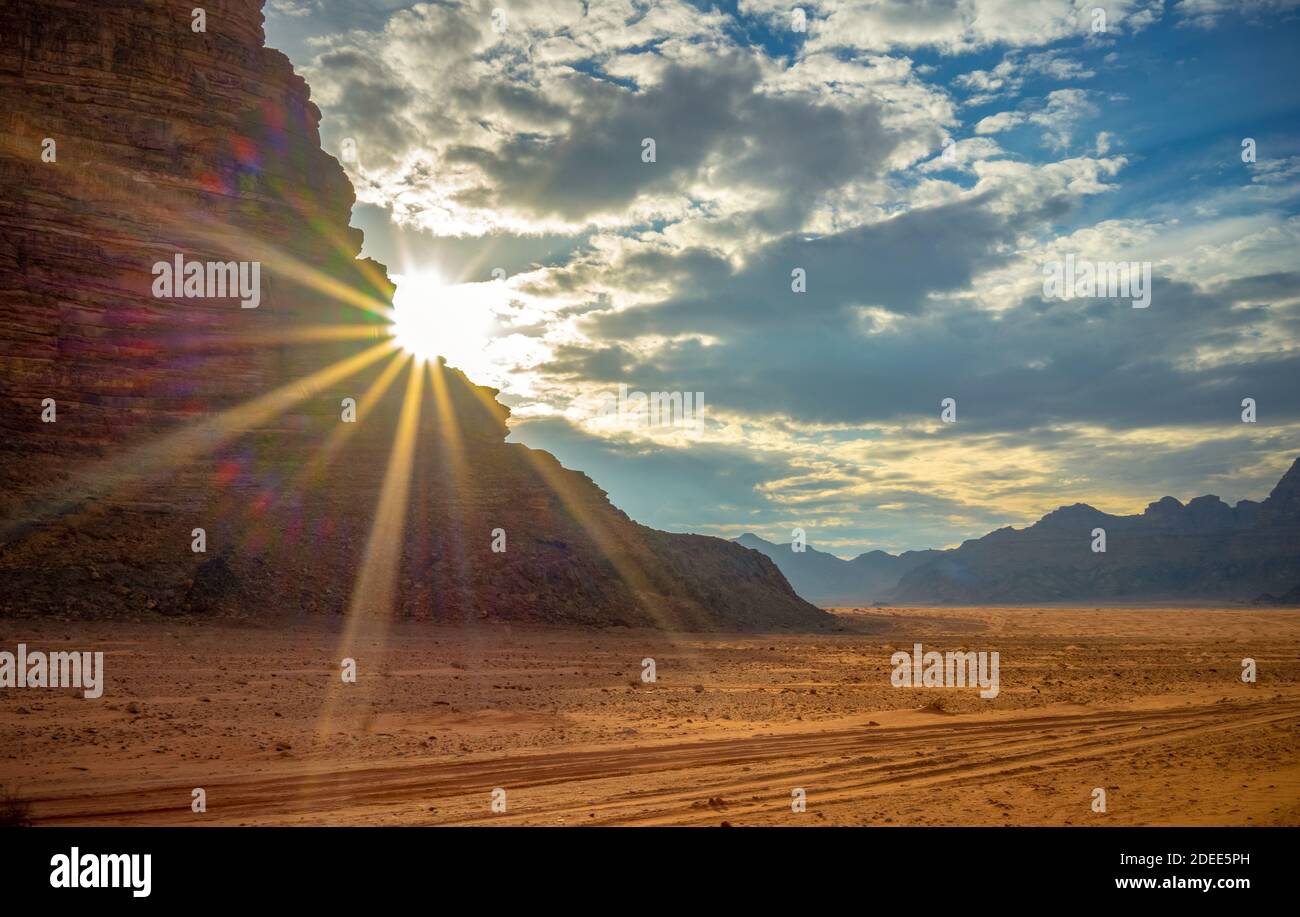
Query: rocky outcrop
<point>130,417</point>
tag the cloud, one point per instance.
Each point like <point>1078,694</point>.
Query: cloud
<point>951,26</point>
<point>1207,14</point>
<point>1016,69</point>
<point>1061,115</point>
<point>1002,121</point>
<point>513,132</point>
<point>918,162</point>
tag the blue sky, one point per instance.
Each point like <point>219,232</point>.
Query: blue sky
<point>492,138</point>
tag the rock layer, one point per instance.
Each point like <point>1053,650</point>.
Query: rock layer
<point>177,414</point>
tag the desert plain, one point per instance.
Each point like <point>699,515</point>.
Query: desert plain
<point>1145,703</point>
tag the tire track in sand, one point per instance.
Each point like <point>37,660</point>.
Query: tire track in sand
<point>665,782</point>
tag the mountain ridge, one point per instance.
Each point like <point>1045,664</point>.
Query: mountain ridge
<point>1203,550</point>
<point>827,580</point>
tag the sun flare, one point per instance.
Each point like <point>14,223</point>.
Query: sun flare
<point>434,319</point>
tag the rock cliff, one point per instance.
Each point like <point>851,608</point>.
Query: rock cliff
<point>130,417</point>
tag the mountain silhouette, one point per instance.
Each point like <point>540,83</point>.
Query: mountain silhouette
<point>828,580</point>
<point>1202,551</point>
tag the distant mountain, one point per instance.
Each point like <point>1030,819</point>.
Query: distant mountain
<point>827,580</point>
<point>1287,599</point>
<point>1204,550</point>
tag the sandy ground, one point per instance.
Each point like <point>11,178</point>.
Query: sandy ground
<point>1145,703</point>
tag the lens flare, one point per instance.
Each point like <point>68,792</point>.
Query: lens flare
<point>435,319</point>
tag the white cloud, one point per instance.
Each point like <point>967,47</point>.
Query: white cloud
<point>1002,121</point>
<point>1206,14</point>
<point>951,26</point>
<point>1010,74</point>
<point>1061,115</point>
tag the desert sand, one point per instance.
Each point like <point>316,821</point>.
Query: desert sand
<point>1146,703</point>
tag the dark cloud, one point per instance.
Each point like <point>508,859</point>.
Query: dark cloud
<point>705,118</point>
<point>1035,364</point>
<point>1262,288</point>
<point>608,364</point>
<point>894,264</point>
<point>595,166</point>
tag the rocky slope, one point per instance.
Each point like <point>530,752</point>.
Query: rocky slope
<point>173,413</point>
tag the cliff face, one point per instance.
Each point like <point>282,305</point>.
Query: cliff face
<point>130,418</point>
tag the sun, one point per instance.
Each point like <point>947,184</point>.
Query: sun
<point>432,319</point>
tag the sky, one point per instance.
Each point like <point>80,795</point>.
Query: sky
<point>851,214</point>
